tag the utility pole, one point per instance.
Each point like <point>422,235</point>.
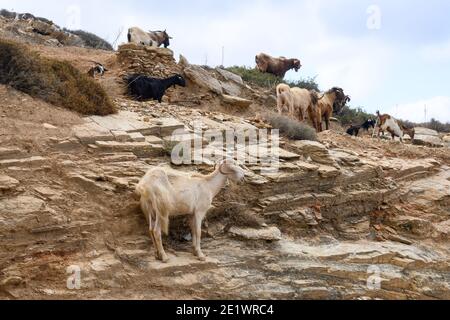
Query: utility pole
<point>425,110</point>
<point>223,56</point>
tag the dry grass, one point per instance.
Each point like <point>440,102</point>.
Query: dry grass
<point>291,128</point>
<point>56,82</point>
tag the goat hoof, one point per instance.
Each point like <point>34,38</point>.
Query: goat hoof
<point>201,257</point>
<point>163,258</point>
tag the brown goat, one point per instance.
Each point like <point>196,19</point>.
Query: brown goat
<point>314,111</point>
<point>391,125</point>
<point>276,66</point>
<point>331,101</point>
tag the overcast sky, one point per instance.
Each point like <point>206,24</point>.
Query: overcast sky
<point>392,56</point>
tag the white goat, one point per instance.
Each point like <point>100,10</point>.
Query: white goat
<point>296,100</point>
<point>285,99</point>
<point>165,192</point>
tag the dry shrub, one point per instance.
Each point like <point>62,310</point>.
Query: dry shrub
<point>291,128</point>
<point>56,82</point>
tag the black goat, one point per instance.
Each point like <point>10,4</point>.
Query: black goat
<point>369,123</point>
<point>354,130</point>
<point>145,88</point>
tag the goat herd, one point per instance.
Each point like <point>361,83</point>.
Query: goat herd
<point>301,104</point>
<point>165,192</point>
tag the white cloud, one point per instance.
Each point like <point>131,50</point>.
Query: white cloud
<point>359,65</point>
<point>437,108</point>
<point>439,52</point>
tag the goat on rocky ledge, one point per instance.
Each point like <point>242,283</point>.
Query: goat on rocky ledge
<point>276,66</point>
<point>391,125</point>
<point>165,192</point>
<point>144,88</point>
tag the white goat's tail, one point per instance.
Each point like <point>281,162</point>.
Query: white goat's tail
<point>158,195</point>
<point>281,88</point>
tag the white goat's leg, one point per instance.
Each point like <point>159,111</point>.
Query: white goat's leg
<point>194,234</point>
<point>291,111</point>
<point>150,232</point>
<point>198,235</point>
<point>280,107</point>
<point>151,226</point>
<point>159,247</point>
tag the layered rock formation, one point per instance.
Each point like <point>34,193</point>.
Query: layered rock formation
<point>151,61</point>
<point>332,218</point>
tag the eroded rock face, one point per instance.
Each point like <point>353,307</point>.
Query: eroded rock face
<point>219,81</point>
<point>231,89</point>
<point>430,141</point>
<point>336,216</point>
<point>236,101</point>
<point>7,184</point>
<point>203,79</point>
<point>426,132</point>
<point>230,76</point>
<point>20,213</point>
<point>9,153</point>
<point>427,137</point>
<point>315,150</point>
<point>265,234</point>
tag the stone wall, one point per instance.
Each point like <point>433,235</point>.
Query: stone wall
<point>154,62</point>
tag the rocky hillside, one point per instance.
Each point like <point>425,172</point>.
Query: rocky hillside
<point>36,30</point>
<point>343,218</point>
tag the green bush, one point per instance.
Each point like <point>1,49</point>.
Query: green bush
<point>350,116</point>
<point>255,77</point>
<point>56,82</point>
<point>437,125</point>
<point>308,83</point>
<point>267,80</point>
<point>91,40</point>
<point>291,128</point>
